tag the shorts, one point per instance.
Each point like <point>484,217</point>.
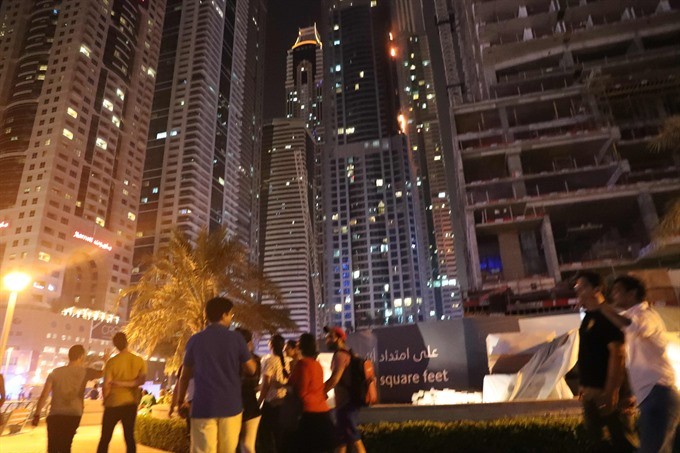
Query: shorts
<point>347,424</point>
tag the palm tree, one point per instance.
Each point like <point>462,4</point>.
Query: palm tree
<point>668,140</point>
<point>170,297</point>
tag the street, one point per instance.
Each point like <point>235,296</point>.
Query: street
<point>34,440</point>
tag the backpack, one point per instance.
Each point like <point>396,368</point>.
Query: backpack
<point>363,389</point>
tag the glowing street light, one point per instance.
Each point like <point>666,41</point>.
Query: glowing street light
<point>15,282</point>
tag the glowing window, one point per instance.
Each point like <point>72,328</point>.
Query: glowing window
<point>72,112</point>
<point>68,134</point>
<point>85,50</point>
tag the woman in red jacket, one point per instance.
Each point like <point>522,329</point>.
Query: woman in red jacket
<point>315,432</point>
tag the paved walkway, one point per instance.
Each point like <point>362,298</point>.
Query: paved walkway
<point>34,440</point>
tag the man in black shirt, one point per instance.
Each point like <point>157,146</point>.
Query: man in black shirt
<point>602,374</point>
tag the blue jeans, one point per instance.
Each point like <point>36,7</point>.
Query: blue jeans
<point>659,417</point>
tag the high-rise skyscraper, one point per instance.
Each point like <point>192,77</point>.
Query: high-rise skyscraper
<point>552,106</point>
<point>76,84</point>
<point>304,81</point>
<point>376,267</point>
<point>203,142</point>
<point>304,100</point>
<point>420,120</point>
<point>288,235</point>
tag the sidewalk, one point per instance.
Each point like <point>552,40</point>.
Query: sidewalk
<point>34,440</point>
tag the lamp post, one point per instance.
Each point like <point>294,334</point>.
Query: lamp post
<point>15,282</point>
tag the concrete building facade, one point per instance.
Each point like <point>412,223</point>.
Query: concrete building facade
<point>551,107</point>
<point>76,81</point>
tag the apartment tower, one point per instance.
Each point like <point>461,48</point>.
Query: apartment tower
<point>421,123</point>
<point>288,239</point>
<point>376,259</point>
<point>203,141</point>
<point>76,87</point>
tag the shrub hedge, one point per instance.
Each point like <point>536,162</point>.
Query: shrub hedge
<point>546,434</point>
<point>169,434</point>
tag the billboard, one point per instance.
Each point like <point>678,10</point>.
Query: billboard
<point>435,355</point>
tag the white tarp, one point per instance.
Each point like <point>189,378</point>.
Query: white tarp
<point>543,376</point>
<point>507,344</point>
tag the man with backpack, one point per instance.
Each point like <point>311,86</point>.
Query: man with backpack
<point>346,406</point>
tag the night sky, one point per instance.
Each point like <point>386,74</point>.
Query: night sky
<point>283,20</point>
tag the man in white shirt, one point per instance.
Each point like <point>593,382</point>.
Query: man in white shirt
<point>651,375</point>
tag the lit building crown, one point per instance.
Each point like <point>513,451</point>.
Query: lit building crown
<point>307,36</point>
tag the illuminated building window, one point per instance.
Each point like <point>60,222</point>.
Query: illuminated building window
<point>85,50</point>
<point>72,112</point>
<point>131,216</point>
<point>101,143</point>
<point>161,135</point>
<point>99,221</point>
<point>378,182</point>
<point>68,134</point>
<point>120,94</point>
<point>108,105</point>
<point>115,120</point>
<point>42,256</point>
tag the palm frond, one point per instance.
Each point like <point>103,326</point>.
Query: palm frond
<point>169,299</point>
<point>668,138</point>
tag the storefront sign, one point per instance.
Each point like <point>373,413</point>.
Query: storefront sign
<point>93,241</point>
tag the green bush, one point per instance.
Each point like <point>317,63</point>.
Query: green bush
<point>169,434</point>
<point>547,434</point>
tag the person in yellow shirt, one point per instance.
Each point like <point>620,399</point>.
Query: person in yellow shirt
<point>123,374</point>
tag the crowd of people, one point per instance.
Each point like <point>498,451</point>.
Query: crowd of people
<point>622,364</point>
<point>123,375</point>
<point>221,376</point>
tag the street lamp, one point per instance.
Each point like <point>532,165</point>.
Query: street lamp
<point>15,282</point>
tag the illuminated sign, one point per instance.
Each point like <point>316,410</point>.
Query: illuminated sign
<point>4,224</point>
<point>93,241</point>
<point>94,315</point>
